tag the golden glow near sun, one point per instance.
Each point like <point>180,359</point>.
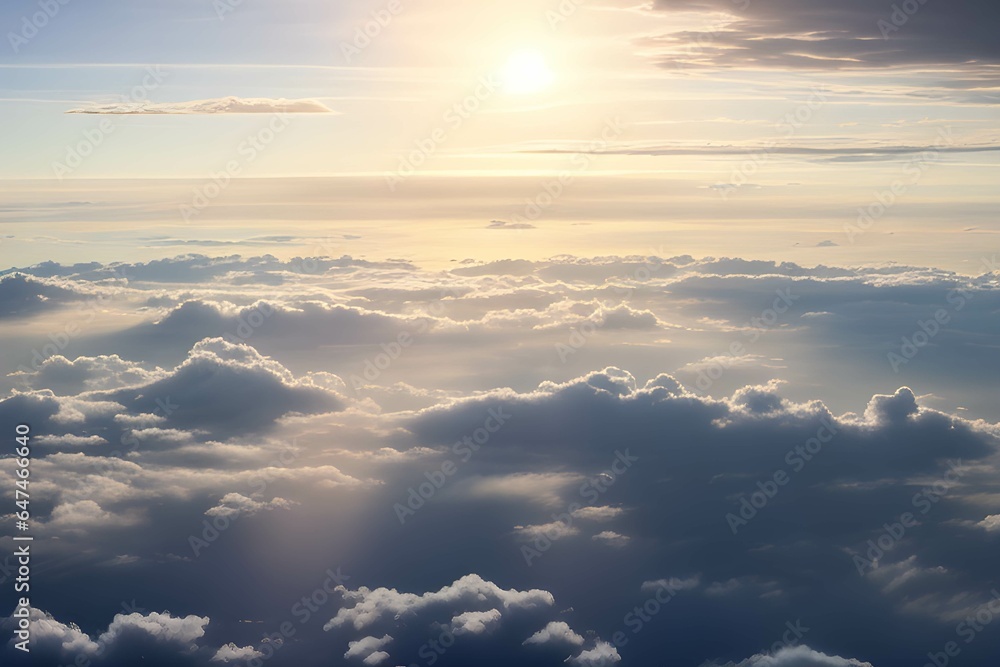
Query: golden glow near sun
<point>527,72</point>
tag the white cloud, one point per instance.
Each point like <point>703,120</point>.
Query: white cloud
<point>371,606</point>
<point>599,514</point>
<point>236,504</point>
<point>612,539</point>
<point>555,530</point>
<point>602,655</point>
<point>556,632</point>
<point>365,647</point>
<point>232,653</point>
<point>798,656</point>
<point>475,622</point>
<point>222,105</point>
<point>991,523</point>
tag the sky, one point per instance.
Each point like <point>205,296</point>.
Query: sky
<point>586,332</point>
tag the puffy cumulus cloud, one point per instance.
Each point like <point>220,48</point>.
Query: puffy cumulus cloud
<point>162,627</point>
<point>59,415</point>
<point>349,307</point>
<point>376,658</point>
<point>991,523</point>
<point>367,646</point>
<point>557,632</point>
<point>85,515</point>
<point>267,325</point>
<point>222,105</point>
<point>51,636</point>
<point>22,295</point>
<point>65,377</point>
<point>701,487</point>
<point>233,653</point>
<point>703,479</point>
<point>155,638</point>
<point>892,409</point>
<point>588,316</point>
<point>582,418</point>
<point>759,399</point>
<point>221,389</point>
<point>471,617</point>
<point>601,655</point>
<point>373,606</point>
<point>797,656</point>
<point>623,317</point>
<point>229,389</point>
<point>236,504</point>
<point>475,622</point>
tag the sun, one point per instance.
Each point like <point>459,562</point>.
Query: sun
<point>527,72</point>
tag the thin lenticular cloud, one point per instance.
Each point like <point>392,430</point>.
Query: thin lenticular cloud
<point>841,153</point>
<point>222,105</point>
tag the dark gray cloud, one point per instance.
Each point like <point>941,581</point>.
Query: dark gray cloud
<point>852,153</point>
<point>22,295</point>
<point>820,35</point>
<point>134,456</point>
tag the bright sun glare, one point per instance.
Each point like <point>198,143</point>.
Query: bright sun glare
<point>527,72</point>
